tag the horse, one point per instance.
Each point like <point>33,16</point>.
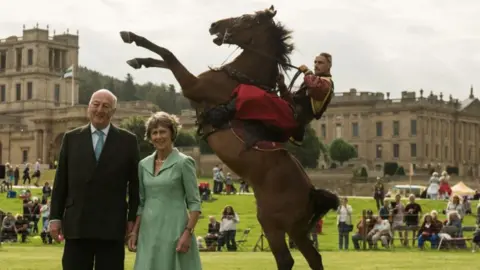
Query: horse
<point>287,201</point>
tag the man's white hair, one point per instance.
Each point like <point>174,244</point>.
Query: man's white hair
<point>106,91</point>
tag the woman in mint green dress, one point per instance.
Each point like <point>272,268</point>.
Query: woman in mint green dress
<point>163,233</point>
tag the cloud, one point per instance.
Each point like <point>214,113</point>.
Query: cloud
<point>387,46</point>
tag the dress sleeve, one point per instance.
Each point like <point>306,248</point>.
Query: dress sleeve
<point>319,87</point>
<point>189,179</point>
<point>141,190</point>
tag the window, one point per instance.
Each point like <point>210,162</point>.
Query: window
<point>3,94</point>
<point>436,150</point>
<point>413,150</point>
<point>446,152</point>
<point>378,150</point>
<point>379,129</point>
<point>19,59</point>
<point>30,57</point>
<point>355,132</point>
<point>426,150</point>
<point>396,150</point>
<point>24,156</point>
<point>323,130</point>
<point>29,90</point>
<point>18,88</point>
<point>338,131</point>
<point>57,93</point>
<point>356,149</point>
<point>3,61</point>
<point>396,128</point>
<point>413,127</point>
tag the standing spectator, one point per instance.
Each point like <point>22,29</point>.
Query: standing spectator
<point>228,229</point>
<point>433,187</point>
<point>344,223</point>
<point>36,172</point>
<point>26,175</point>
<point>46,192</point>
<point>16,174</point>
<point>379,193</point>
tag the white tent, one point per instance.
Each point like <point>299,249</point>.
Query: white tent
<point>461,189</point>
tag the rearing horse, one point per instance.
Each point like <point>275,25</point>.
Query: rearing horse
<point>287,201</point>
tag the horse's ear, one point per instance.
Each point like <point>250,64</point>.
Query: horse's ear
<point>271,11</point>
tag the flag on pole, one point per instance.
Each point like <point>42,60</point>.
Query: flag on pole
<point>68,73</point>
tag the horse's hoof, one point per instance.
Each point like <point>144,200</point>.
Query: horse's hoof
<point>134,64</point>
<point>126,36</point>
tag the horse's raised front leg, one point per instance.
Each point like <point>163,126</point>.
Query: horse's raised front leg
<point>137,63</point>
<point>185,78</point>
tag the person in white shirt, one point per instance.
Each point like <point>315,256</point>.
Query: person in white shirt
<point>344,223</point>
<point>228,229</point>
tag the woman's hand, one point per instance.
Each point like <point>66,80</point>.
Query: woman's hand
<point>184,243</point>
<point>132,243</point>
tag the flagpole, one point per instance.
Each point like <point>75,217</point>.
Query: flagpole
<point>73,84</point>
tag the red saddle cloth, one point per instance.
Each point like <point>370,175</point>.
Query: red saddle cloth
<point>254,103</point>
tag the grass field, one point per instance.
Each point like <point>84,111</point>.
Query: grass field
<point>48,258</point>
<point>18,256</point>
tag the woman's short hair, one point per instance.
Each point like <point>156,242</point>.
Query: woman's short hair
<point>162,119</point>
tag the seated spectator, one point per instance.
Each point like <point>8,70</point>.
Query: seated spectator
<point>228,229</point>
<point>213,231</point>
<point>428,232</point>
<point>384,211</point>
<point>435,220</point>
<point>22,229</point>
<point>204,189</point>
<point>369,222</point>
<point>476,239</point>
<point>381,231</point>
<point>8,228</point>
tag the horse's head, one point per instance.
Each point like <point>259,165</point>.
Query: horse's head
<point>243,30</point>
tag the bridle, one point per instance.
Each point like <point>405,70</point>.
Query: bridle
<point>238,24</point>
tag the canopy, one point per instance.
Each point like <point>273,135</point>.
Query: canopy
<point>462,190</point>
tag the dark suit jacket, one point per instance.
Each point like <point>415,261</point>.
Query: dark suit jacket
<point>90,197</point>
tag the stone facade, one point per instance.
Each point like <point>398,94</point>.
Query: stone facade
<point>36,105</point>
<point>425,130</point>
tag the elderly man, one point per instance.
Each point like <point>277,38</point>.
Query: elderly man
<point>98,163</point>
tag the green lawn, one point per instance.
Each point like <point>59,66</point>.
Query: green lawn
<point>21,257</point>
<point>18,256</point>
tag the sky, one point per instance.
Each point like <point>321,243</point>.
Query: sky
<point>377,45</point>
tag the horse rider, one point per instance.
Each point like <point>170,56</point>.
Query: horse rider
<point>315,92</point>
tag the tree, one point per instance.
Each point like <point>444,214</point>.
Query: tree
<point>129,91</point>
<point>309,152</point>
<point>342,151</point>
<point>136,125</point>
<point>185,139</point>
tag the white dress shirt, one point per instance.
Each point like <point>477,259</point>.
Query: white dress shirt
<point>95,136</point>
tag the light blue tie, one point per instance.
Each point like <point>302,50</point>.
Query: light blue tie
<point>99,144</point>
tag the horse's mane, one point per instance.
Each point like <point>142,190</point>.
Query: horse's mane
<point>285,44</point>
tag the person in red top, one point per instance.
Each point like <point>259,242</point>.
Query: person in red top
<point>314,95</point>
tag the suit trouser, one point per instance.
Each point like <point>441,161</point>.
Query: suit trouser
<point>88,254</point>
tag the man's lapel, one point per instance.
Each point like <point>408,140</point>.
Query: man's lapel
<point>86,146</point>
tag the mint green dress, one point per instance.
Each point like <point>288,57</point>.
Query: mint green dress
<point>164,199</point>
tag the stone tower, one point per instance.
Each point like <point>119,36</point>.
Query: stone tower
<point>31,69</point>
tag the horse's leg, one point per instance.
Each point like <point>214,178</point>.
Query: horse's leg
<point>185,78</point>
<point>137,63</point>
<point>279,248</point>
<point>305,245</point>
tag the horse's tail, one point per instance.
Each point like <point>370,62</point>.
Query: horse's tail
<point>323,201</point>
